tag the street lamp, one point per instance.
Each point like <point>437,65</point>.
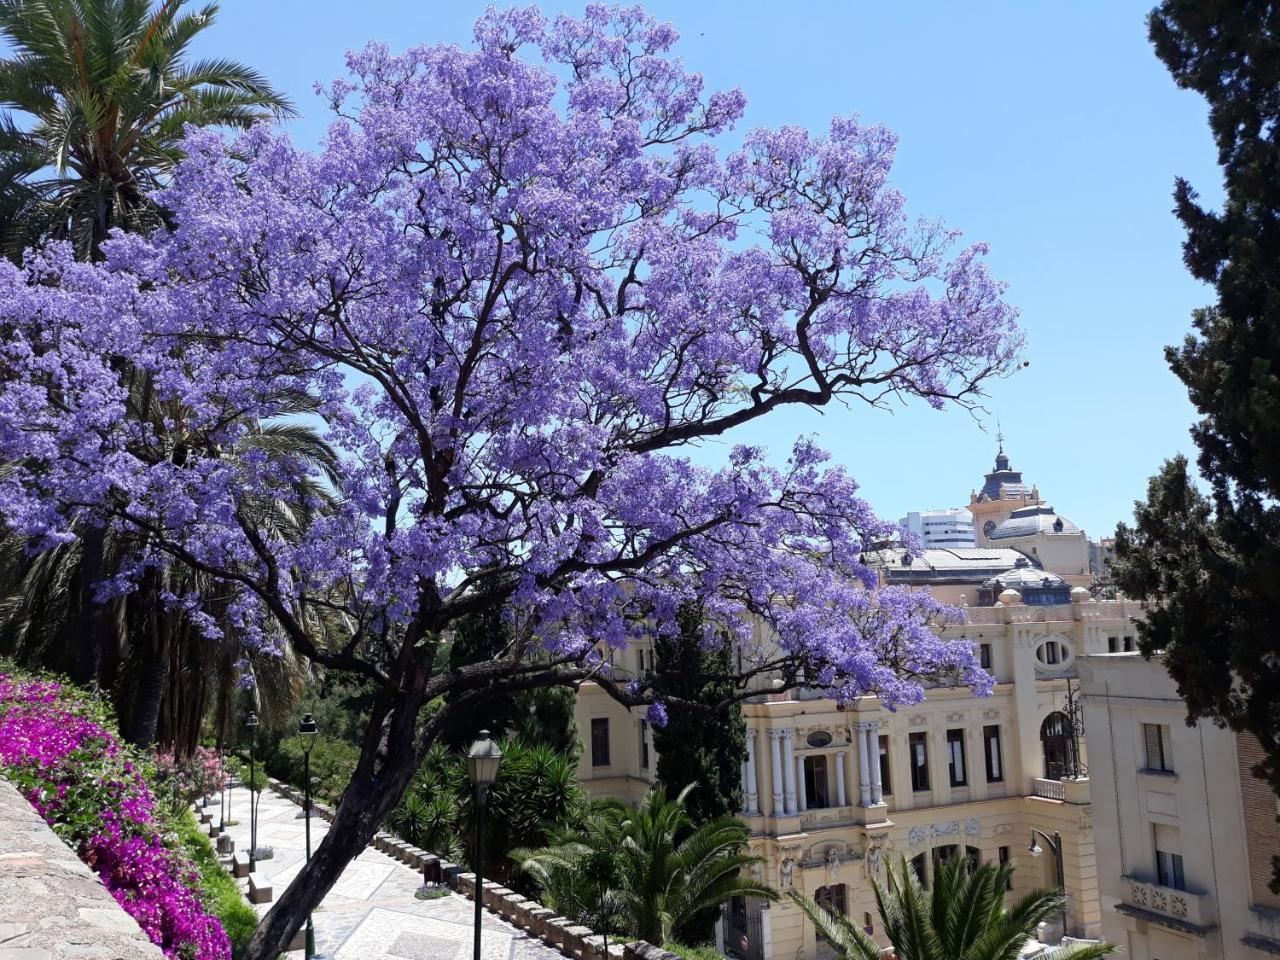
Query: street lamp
<point>251,724</point>
<point>307,731</point>
<point>483,760</point>
<point>1055,845</point>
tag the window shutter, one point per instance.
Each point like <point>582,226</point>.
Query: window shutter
<point>1154,746</point>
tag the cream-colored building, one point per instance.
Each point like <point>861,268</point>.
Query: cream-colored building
<point>834,791</point>
<point>1185,833</point>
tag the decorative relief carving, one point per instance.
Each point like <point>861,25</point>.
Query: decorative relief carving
<point>1002,829</point>
<point>877,844</point>
<point>916,836</point>
<point>955,716</point>
<point>945,829</point>
<point>992,714</point>
<point>833,863</point>
<point>972,828</point>
<point>786,874</point>
<point>1178,905</point>
<point>918,720</point>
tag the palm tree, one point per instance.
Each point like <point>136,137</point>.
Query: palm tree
<point>963,917</point>
<point>650,869</point>
<point>164,672</point>
<point>98,93</point>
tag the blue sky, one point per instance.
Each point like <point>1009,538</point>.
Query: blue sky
<point>1048,130</point>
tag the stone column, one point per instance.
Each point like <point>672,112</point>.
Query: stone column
<point>840,778</point>
<point>802,801</point>
<point>775,752</point>
<point>789,768</point>
<point>873,745</point>
<point>863,769</point>
<point>749,786</point>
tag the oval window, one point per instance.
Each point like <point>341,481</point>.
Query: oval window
<point>1052,652</point>
<point>819,738</point>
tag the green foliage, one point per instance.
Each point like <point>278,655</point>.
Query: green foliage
<point>332,764</point>
<point>100,92</point>
<point>643,872</point>
<point>536,793</point>
<point>218,890</point>
<point>543,716</point>
<point>1210,565</point>
<point>704,744</point>
<point>703,952</point>
<point>962,917</point>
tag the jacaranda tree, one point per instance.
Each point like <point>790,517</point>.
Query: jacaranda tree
<point>525,286</point>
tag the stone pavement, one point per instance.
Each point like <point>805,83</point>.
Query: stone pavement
<point>371,912</point>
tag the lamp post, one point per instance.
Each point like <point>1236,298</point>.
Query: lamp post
<point>307,731</point>
<point>251,724</point>
<point>1055,845</point>
<point>483,760</point>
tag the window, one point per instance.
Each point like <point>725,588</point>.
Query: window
<point>833,900</point>
<point>991,750</point>
<point>886,785</point>
<point>1155,738</point>
<point>815,783</point>
<point>984,655</point>
<point>868,927</point>
<point>600,742</point>
<point>919,752</point>
<point>640,670</point>
<point>1051,652</point>
<point>644,745</point>
<point>1113,644</point>
<point>1169,870</point>
<point>1003,854</point>
<point>1129,646</point>
<point>921,871</point>
<point>955,758</point>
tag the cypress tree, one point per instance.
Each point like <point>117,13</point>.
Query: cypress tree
<point>1209,562</point>
<point>702,743</point>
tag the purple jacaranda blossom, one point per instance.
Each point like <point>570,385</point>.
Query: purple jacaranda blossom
<point>538,308</point>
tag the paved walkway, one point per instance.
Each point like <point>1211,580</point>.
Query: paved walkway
<point>371,912</point>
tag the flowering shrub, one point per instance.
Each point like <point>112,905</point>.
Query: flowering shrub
<point>183,781</point>
<point>59,750</point>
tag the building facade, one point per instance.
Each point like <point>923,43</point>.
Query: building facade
<point>940,528</point>
<point>1185,832</point>
<point>833,792</point>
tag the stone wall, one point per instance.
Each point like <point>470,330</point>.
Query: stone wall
<point>538,921</point>
<point>53,907</point>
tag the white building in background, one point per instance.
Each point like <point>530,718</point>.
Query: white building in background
<point>940,528</point>
<point>832,792</point>
<point>1185,833</point>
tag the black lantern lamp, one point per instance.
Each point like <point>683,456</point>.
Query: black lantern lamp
<point>483,760</point>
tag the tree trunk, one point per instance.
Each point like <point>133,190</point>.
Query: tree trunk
<point>90,614</point>
<point>151,663</point>
<point>369,797</point>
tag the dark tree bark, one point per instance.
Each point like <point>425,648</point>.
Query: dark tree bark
<point>90,626</point>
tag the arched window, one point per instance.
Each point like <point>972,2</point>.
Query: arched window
<point>833,900</point>
<point>1058,744</point>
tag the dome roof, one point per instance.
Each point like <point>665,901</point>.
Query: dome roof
<point>1003,483</point>
<point>1024,576</point>
<point>1038,518</point>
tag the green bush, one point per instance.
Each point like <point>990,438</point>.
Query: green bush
<point>332,764</point>
<point>218,890</point>
<point>704,952</point>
